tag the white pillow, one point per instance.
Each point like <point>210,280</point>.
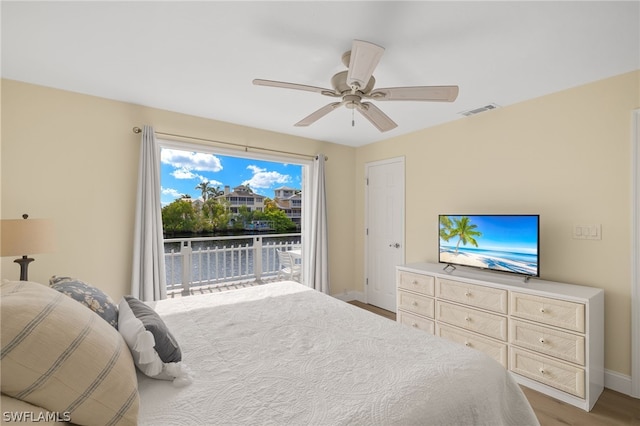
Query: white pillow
<point>135,327</point>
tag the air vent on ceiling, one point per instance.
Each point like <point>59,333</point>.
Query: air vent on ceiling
<point>479,110</point>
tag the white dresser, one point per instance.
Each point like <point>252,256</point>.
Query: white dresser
<point>549,335</point>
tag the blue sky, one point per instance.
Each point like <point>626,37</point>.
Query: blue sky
<point>182,171</point>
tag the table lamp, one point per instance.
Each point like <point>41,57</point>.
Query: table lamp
<point>20,236</point>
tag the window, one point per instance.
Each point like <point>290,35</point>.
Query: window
<point>224,192</point>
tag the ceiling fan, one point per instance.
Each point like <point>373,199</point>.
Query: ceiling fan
<point>357,83</point>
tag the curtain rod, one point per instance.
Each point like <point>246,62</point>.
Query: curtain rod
<point>237,145</point>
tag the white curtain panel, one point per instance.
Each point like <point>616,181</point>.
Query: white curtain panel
<point>148,280</point>
<point>316,266</point>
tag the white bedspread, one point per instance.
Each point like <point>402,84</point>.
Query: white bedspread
<point>282,354</point>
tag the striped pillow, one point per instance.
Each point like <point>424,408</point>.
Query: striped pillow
<point>61,356</point>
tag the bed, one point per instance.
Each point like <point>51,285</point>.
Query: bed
<point>281,353</point>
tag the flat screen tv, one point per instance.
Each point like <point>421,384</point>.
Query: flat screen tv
<point>505,243</point>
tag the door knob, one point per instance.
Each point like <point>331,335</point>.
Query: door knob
<point>396,245</point>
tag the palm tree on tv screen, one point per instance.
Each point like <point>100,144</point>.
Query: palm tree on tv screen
<point>461,228</point>
<point>445,228</point>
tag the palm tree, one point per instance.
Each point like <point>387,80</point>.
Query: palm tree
<point>204,188</point>
<point>244,188</point>
<point>214,192</point>
<point>464,230</point>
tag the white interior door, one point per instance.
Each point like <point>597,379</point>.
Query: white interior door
<point>384,230</point>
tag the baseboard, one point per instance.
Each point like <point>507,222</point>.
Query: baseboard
<point>350,295</point>
<point>617,382</point>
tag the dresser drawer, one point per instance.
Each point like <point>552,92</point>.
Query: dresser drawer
<point>548,371</point>
<point>556,343</point>
<point>415,303</point>
<point>560,313</point>
<point>493,299</point>
<point>416,282</point>
<point>494,349</point>
<point>491,325</point>
<point>416,322</point>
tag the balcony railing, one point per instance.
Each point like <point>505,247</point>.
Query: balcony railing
<point>210,262</point>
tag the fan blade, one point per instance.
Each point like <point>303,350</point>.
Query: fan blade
<point>295,86</point>
<point>317,115</point>
<point>378,118</point>
<point>417,93</point>
<point>364,59</point>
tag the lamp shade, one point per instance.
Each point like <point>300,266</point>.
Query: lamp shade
<point>20,237</point>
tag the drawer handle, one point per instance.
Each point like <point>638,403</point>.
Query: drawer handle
<point>414,325</point>
<point>467,344</point>
<point>542,310</point>
<point>414,282</point>
<point>542,340</point>
<point>467,318</point>
<point>542,370</point>
<point>414,303</point>
<point>467,293</point>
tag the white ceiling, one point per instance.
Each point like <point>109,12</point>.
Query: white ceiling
<point>200,58</point>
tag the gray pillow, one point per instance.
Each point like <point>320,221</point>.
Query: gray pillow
<point>90,296</point>
<point>166,345</point>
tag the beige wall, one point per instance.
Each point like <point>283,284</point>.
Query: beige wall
<point>566,156</point>
<point>74,158</point>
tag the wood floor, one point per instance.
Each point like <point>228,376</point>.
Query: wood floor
<point>612,408</point>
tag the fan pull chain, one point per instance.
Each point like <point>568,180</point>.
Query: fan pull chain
<point>353,118</point>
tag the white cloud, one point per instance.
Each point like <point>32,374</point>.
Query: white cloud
<point>214,183</point>
<point>171,192</point>
<point>197,161</point>
<point>255,169</point>
<point>184,173</point>
<point>264,179</point>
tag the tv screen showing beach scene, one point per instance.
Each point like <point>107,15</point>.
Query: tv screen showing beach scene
<point>506,243</point>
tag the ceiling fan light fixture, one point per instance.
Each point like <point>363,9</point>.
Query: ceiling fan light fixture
<point>351,101</point>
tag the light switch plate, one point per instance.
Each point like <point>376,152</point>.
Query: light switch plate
<point>587,232</point>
